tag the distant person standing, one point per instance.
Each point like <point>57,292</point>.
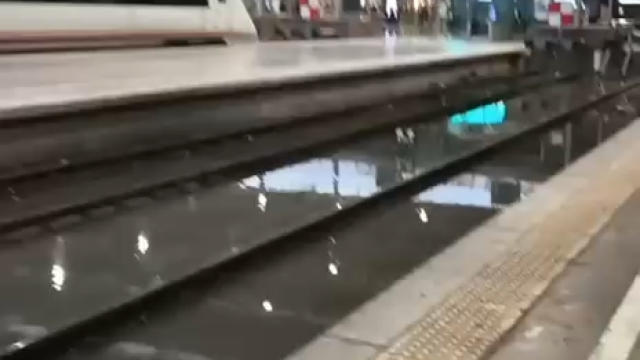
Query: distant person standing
<point>443,17</point>
<point>393,22</point>
<point>423,18</point>
<point>541,11</point>
<point>609,9</point>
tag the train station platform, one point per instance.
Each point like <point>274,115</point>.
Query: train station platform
<point>541,280</point>
<point>538,279</point>
<point>44,84</point>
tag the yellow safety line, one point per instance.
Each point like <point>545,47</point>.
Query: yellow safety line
<point>472,320</point>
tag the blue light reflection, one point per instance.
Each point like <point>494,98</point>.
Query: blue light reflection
<point>490,114</point>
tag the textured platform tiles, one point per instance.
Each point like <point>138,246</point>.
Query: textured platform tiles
<point>474,317</point>
<point>39,80</point>
<point>460,304</point>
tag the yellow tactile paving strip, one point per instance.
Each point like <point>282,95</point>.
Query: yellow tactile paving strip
<point>469,322</point>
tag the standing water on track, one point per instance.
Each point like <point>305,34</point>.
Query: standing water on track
<point>56,281</point>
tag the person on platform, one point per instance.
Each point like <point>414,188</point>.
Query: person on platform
<point>423,17</point>
<point>443,17</point>
<point>393,21</point>
<point>602,11</point>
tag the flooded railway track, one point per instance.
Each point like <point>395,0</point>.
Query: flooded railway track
<point>74,162</point>
<point>141,309</point>
<point>37,200</point>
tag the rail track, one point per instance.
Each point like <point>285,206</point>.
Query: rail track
<point>38,198</point>
<point>254,157</point>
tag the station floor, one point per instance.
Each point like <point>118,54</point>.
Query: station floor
<point>591,310</point>
<point>635,353</point>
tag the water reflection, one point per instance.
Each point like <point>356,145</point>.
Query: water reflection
<point>267,306</point>
<point>58,272</point>
<point>351,178</point>
<point>422,214</point>
<point>457,46</point>
<point>58,275</point>
<point>143,243</point>
<point>495,113</point>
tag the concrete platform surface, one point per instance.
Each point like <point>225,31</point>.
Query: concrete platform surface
<point>41,80</point>
<point>579,310</point>
<point>635,353</point>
